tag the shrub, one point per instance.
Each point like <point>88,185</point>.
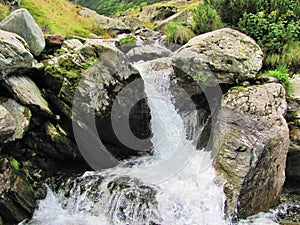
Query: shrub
<point>178,33</point>
<point>205,19</point>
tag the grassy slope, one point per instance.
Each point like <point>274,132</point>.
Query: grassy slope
<point>111,7</point>
<point>58,16</point>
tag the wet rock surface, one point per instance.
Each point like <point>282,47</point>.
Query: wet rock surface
<point>17,200</point>
<point>251,140</point>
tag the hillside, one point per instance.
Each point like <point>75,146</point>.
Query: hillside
<point>105,7</point>
<point>56,16</point>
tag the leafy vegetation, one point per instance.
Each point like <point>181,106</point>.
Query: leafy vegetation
<point>4,11</point>
<point>178,33</point>
<point>60,17</point>
<point>127,40</point>
<point>205,19</point>
<point>113,6</point>
<point>281,74</point>
<point>274,24</point>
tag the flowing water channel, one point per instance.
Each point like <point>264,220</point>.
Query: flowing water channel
<point>175,186</point>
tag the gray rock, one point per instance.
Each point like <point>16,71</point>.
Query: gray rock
<point>155,13</point>
<point>21,117</point>
<point>225,54</point>
<point>294,89</point>
<point>22,23</point>
<point>17,200</point>
<point>250,140</point>
<point>105,22</point>
<point>147,52</point>
<point>293,116</point>
<point>7,124</point>
<point>25,91</point>
<point>93,69</point>
<point>14,54</point>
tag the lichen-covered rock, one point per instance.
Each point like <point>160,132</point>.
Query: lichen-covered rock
<point>21,117</point>
<point>14,54</point>
<point>17,200</point>
<point>7,124</point>
<point>250,140</point>
<point>147,52</point>
<point>25,91</point>
<point>22,23</point>
<point>225,54</point>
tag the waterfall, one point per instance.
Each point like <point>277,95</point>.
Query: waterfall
<point>177,185</point>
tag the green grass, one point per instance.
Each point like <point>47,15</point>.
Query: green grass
<point>281,74</point>
<point>59,17</point>
<point>178,33</point>
<point>15,164</point>
<point>4,11</point>
<point>127,40</point>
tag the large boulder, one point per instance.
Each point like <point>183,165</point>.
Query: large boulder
<point>22,23</point>
<point>250,140</point>
<point>25,91</point>
<point>225,54</point>
<point>21,117</point>
<point>14,54</point>
<point>17,200</point>
<point>7,125</point>
<point>84,71</point>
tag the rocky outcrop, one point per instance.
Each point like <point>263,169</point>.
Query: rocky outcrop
<point>154,13</point>
<point>25,91</point>
<point>184,17</point>
<point>225,54</point>
<point>293,117</point>
<point>22,23</point>
<point>14,54</point>
<point>17,200</point>
<point>112,24</point>
<point>250,140</point>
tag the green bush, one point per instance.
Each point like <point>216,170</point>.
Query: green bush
<point>178,33</point>
<point>205,19</point>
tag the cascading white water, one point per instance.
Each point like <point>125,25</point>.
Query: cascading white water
<point>177,185</point>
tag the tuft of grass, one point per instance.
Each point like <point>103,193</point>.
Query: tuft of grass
<point>60,17</point>
<point>238,88</point>
<point>178,33</point>
<point>290,57</point>
<point>281,74</point>
<point>127,40</point>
